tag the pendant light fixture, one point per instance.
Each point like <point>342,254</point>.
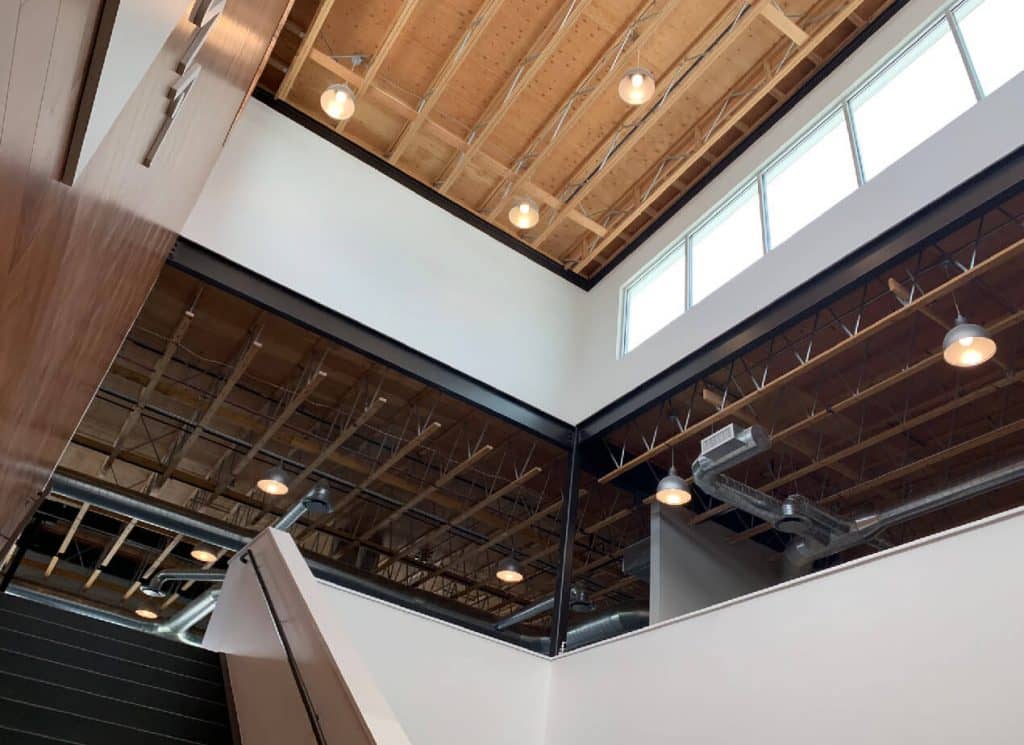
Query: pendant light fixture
<point>524,213</point>
<point>967,344</point>
<point>338,102</point>
<point>509,571</point>
<point>144,611</point>
<point>274,482</point>
<point>203,553</point>
<point>672,490</point>
<point>637,86</point>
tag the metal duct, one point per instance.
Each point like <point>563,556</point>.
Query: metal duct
<point>316,501</point>
<point>226,536</point>
<point>178,627</point>
<point>605,626</point>
<point>802,552</point>
<point>579,602</point>
<point>155,587</point>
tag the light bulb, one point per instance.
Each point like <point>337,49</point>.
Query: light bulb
<point>637,80</point>
<point>966,341</point>
<point>968,344</point>
<point>338,101</point>
<point>524,214</point>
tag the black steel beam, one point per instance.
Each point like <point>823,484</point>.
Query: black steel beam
<point>570,510</point>
<point>942,217</point>
<point>225,274</point>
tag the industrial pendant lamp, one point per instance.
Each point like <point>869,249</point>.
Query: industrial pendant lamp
<point>524,213</point>
<point>274,482</point>
<point>509,571</point>
<point>146,612</point>
<point>967,344</point>
<point>203,553</point>
<point>338,102</point>
<point>672,490</point>
<point>637,86</point>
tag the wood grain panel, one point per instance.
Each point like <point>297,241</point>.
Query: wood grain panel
<point>78,262</point>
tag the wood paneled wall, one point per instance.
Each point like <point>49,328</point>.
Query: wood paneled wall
<point>77,262</point>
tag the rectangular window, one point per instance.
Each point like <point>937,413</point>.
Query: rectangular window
<point>809,179</point>
<point>655,298</point>
<point>727,244</point>
<point>991,31</point>
<point>922,91</point>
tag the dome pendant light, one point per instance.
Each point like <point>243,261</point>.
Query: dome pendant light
<point>524,213</point>
<point>274,482</point>
<point>509,571</point>
<point>146,612</point>
<point>203,553</point>
<point>637,86</point>
<point>672,491</point>
<point>338,102</point>
<point>967,344</point>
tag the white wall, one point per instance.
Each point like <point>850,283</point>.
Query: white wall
<point>448,686</point>
<point>695,566</point>
<point>923,644</point>
<point>298,210</point>
<point>980,137</point>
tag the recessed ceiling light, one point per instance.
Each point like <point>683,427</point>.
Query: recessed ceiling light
<point>524,213</point>
<point>637,86</point>
<point>338,101</point>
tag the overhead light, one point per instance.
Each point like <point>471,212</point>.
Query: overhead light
<point>672,490</point>
<point>274,482</point>
<point>338,102</point>
<point>203,554</point>
<point>968,344</point>
<point>148,613</point>
<point>637,86</point>
<point>509,571</point>
<point>524,213</point>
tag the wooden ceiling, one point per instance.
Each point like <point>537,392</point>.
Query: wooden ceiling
<point>487,100</point>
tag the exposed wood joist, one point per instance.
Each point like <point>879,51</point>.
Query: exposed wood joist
<point>68,537</point>
<point>617,48</point>
<point>450,138</point>
<point>540,53</point>
<point>442,481</point>
<point>470,38</point>
<point>948,287</point>
<point>111,553</point>
<point>710,140</point>
<point>405,13</point>
<point>712,43</point>
<point>305,48</point>
<point>456,520</point>
<point>159,369</point>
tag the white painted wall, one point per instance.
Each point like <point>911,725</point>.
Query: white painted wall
<point>448,686</point>
<point>922,644</point>
<point>695,566</point>
<point>298,210</point>
<point>980,137</point>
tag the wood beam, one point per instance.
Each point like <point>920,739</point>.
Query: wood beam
<point>395,30</point>
<point>472,35</point>
<point>244,358</point>
<point>540,53</point>
<point>443,480</point>
<point>68,537</point>
<point>172,543</point>
<point>609,79</point>
<point>465,515</point>
<point>948,287</point>
<point>714,41</point>
<point>709,141</point>
<point>452,139</point>
<point>111,553</point>
<point>159,369</point>
<point>305,49</point>
<point>774,15</point>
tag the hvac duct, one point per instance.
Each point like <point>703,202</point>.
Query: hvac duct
<point>802,552</point>
<point>579,602</point>
<point>167,517</point>
<point>156,586</point>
